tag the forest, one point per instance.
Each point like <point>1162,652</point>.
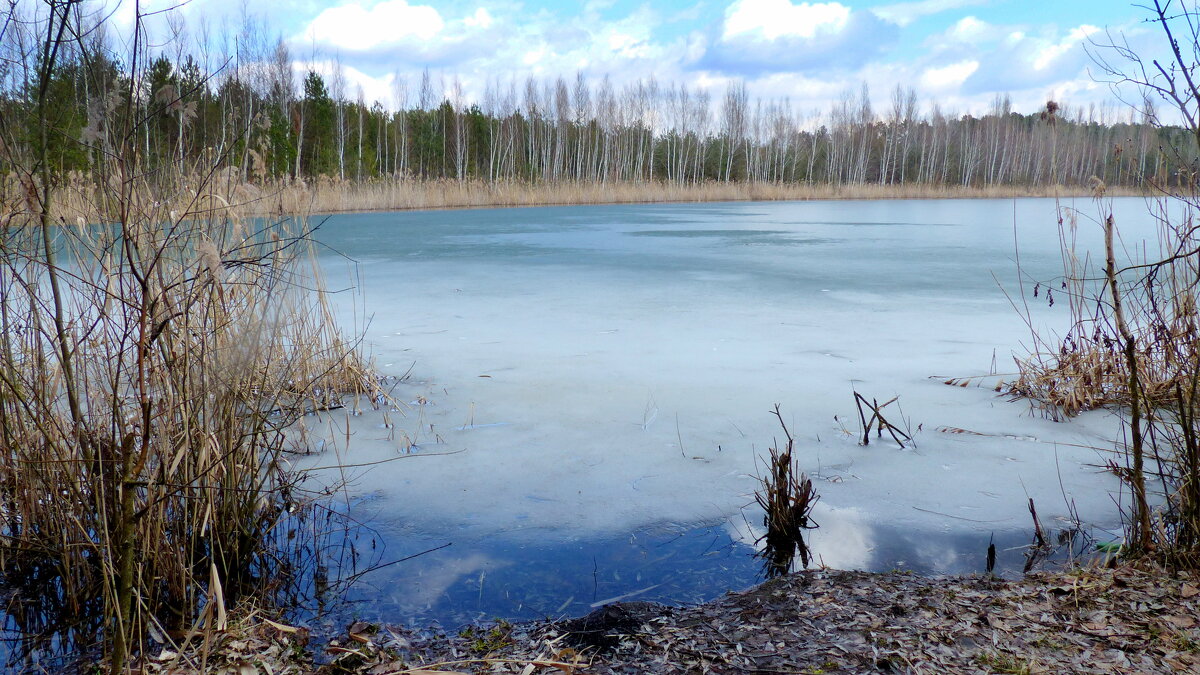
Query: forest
<point>257,110</point>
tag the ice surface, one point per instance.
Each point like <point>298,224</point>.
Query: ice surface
<point>599,369</point>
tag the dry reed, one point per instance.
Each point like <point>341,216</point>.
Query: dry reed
<point>1134,344</point>
<point>149,366</point>
<point>328,195</point>
<point>1085,369</point>
<point>787,499</point>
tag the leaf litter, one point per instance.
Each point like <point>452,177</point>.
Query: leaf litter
<point>1132,618</point>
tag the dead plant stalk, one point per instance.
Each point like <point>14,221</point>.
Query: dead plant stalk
<point>1140,539</point>
<point>152,359</point>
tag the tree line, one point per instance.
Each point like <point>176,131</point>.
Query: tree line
<point>252,114</point>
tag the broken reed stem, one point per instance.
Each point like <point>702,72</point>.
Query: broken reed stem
<point>1140,531</point>
<point>877,420</point>
<point>1039,535</point>
<point>858,401</point>
<point>1040,548</point>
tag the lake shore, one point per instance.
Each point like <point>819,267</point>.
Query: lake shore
<point>323,196</point>
<point>327,197</point>
<point>1134,618</point>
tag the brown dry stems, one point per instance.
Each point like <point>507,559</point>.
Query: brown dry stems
<point>787,498</point>
<point>151,357</point>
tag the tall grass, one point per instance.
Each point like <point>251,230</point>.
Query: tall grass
<point>1134,344</point>
<point>148,369</point>
<point>78,199</point>
<point>156,340</point>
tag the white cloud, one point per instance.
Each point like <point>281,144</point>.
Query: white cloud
<point>624,48</point>
<point>629,39</point>
<point>904,13</point>
<point>808,50</point>
<point>481,18</point>
<point>356,27</point>
<point>373,88</point>
<point>765,36</point>
<point>124,15</point>
<point>969,29</point>
<point>948,77</point>
<point>534,56</point>
<point>1073,40</point>
<point>1024,61</point>
<point>773,19</point>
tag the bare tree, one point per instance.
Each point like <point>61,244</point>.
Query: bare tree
<point>337,89</point>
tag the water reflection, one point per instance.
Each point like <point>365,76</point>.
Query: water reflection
<point>524,575</point>
<point>530,574</point>
<point>47,626</point>
<point>41,624</point>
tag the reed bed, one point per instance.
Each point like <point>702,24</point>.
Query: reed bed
<point>332,196</point>
<point>1085,368</point>
<point>1134,345</point>
<point>78,199</point>
<point>161,328</point>
<point>149,367</point>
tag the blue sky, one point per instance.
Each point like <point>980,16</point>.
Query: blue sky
<point>957,53</point>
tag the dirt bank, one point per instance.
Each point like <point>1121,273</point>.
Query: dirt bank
<point>1132,619</point>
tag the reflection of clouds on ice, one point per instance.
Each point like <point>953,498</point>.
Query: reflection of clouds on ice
<point>427,585</point>
<point>933,555</point>
<point>844,539</point>
<point>626,380</point>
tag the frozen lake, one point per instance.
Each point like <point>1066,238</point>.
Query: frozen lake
<point>588,392</point>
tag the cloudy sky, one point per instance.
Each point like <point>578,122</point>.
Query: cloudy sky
<point>960,53</point>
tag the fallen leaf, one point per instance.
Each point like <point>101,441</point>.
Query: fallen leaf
<point>282,628</point>
<point>1180,621</point>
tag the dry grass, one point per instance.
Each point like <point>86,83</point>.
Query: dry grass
<point>324,195</point>
<point>158,335</point>
<point>157,338</point>
<point>1085,368</point>
<point>148,368</point>
<point>328,196</point>
<point>1134,344</point>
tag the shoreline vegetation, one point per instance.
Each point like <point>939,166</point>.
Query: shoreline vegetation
<point>78,202</point>
<point>328,197</point>
<point>289,132</point>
